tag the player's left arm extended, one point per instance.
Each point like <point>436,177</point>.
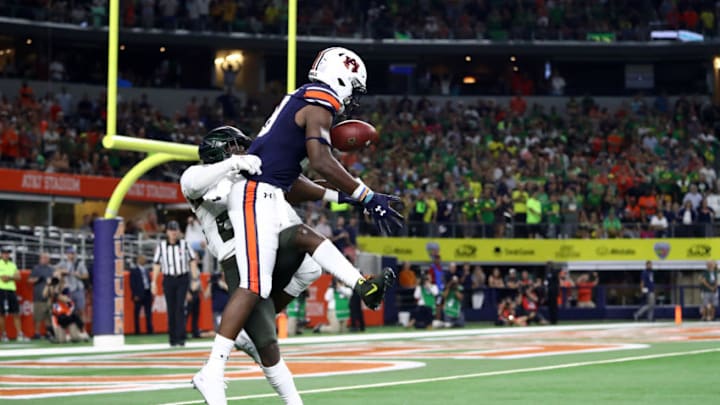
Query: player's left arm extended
<point>304,189</point>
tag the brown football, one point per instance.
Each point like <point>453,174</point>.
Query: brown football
<point>353,135</point>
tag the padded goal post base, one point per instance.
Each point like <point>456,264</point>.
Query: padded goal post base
<point>108,282</point>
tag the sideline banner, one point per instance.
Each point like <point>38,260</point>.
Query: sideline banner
<point>542,250</point>
<point>94,187</point>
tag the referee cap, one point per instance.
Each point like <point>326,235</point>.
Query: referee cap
<point>173,226</point>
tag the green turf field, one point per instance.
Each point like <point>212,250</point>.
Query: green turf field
<point>601,363</point>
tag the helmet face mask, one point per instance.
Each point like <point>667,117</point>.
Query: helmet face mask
<point>221,143</point>
<point>342,70</point>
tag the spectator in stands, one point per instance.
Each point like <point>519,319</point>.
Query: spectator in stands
<point>612,225</point>
<point>40,276</point>
<point>693,196</point>
<point>9,275</point>
<point>511,281</point>
<point>659,224</point>
<point>340,236</point>
<point>709,291</point>
<point>647,287</point>
<point>477,287</point>
<point>322,226</point>
<point>557,84</point>
<point>75,276</point>
<point>406,276</point>
<point>687,218</point>
<point>534,214</point>
<point>585,285</point>
<point>705,219</point>
<point>567,288</point>
<point>519,198</point>
<point>495,280</point>
<point>141,294</point>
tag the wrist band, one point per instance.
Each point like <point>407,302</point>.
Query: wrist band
<point>362,193</point>
<point>331,195</point>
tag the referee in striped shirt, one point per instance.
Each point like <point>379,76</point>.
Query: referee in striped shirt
<point>176,259</point>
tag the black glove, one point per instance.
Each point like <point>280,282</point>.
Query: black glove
<point>387,220</point>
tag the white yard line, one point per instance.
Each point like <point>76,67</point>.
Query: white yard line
<point>466,376</point>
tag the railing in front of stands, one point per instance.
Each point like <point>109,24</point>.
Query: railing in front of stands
<point>28,243</point>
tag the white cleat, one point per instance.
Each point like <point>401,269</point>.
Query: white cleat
<point>243,342</point>
<point>212,387</point>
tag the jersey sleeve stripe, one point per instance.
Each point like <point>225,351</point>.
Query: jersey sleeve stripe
<point>323,96</point>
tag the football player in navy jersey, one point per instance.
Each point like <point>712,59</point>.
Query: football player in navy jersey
<point>299,128</point>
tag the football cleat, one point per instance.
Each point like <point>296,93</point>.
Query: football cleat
<point>212,387</point>
<point>372,291</point>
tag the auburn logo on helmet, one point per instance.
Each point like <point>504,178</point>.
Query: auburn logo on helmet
<point>351,64</point>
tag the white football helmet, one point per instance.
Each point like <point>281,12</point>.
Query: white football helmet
<point>342,70</point>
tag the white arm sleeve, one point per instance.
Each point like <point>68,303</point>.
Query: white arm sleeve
<point>196,180</point>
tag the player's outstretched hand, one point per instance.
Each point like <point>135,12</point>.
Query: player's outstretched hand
<point>245,163</point>
<point>387,220</point>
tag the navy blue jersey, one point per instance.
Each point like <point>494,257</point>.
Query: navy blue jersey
<point>281,142</point>
<point>648,279</point>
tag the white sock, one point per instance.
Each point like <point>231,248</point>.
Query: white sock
<point>281,380</point>
<point>220,353</point>
<point>330,259</point>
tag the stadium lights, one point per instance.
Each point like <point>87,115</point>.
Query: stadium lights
<point>716,62</point>
<point>232,57</point>
<point>515,69</point>
<point>468,58</point>
<point>28,41</point>
<point>469,80</point>
<point>122,47</point>
<point>513,58</point>
<point>2,52</point>
<point>8,51</point>
<point>162,49</point>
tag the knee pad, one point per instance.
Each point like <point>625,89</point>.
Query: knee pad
<point>308,272</point>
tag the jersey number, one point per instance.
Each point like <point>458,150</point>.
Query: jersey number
<point>271,120</point>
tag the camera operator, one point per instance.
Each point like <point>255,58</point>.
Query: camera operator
<point>426,294</point>
<point>453,298</point>
<point>64,315</point>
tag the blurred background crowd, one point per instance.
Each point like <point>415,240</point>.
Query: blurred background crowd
<point>398,19</point>
<point>478,169</point>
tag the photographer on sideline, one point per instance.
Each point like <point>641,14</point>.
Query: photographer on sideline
<point>65,317</point>
<point>453,298</point>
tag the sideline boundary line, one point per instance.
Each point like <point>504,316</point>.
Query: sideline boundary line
<point>473,375</point>
<point>363,337</point>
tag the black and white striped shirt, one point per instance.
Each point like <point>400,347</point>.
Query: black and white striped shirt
<point>174,260</point>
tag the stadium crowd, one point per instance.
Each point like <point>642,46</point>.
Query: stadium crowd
<point>399,19</point>
<point>478,169</point>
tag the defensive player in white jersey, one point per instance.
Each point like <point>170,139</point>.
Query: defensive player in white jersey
<point>206,187</point>
<point>298,129</point>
